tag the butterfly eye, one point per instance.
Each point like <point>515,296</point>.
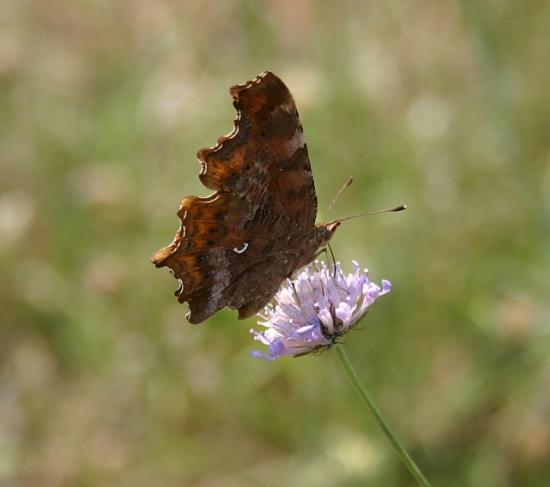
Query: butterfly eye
<point>202,259</point>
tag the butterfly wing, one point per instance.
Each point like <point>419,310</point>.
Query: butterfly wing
<point>225,254</point>
<point>264,159</point>
<point>235,247</point>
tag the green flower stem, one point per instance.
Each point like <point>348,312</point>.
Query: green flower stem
<point>360,388</point>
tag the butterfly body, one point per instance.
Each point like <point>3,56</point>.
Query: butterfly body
<point>235,247</point>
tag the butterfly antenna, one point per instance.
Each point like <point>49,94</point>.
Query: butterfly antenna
<point>346,185</point>
<point>388,210</point>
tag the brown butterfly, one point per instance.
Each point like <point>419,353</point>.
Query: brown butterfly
<point>235,247</point>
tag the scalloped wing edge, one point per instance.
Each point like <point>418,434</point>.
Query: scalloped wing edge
<point>235,92</point>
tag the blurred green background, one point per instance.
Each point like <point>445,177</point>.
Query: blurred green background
<point>444,105</point>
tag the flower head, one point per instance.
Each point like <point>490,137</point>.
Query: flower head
<point>311,312</point>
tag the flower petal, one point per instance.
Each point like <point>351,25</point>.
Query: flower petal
<point>320,305</point>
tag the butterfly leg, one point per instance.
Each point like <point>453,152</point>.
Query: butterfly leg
<point>333,260</point>
<point>296,295</point>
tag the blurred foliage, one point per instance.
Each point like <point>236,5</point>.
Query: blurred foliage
<point>442,105</point>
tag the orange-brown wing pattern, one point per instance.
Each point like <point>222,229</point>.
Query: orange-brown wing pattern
<point>223,254</point>
<point>264,159</point>
<point>235,247</point>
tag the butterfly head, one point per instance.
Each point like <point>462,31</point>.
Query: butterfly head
<point>326,231</point>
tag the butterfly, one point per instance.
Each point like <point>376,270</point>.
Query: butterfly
<point>236,247</point>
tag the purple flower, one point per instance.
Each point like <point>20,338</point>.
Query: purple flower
<point>311,312</point>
